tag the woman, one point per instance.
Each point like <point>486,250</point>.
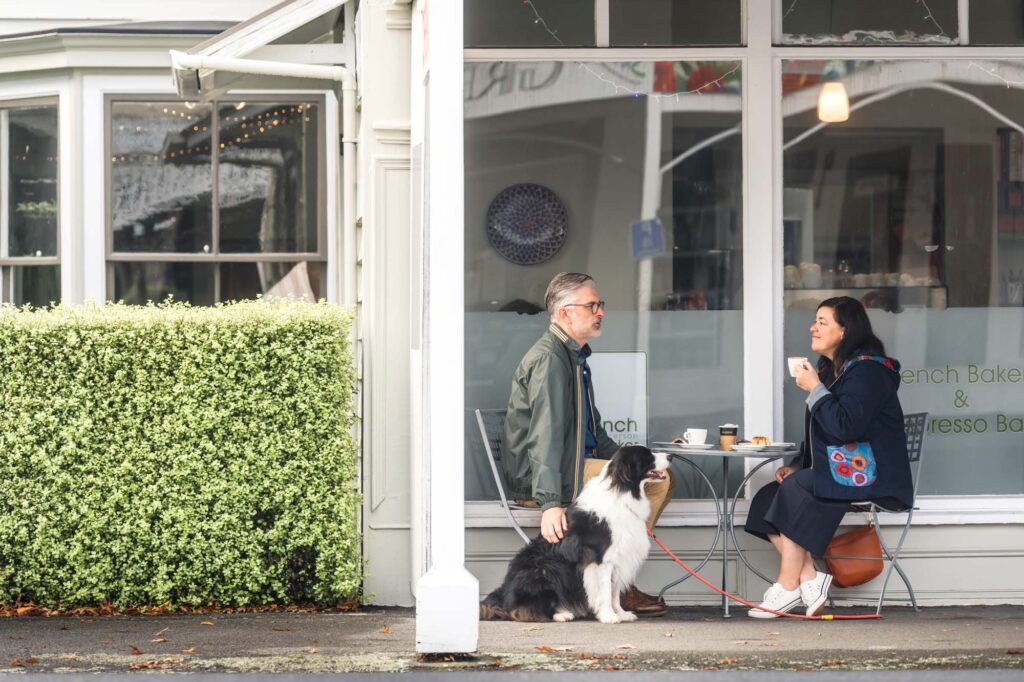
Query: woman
<point>855,449</point>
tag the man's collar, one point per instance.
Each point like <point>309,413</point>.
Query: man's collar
<point>569,342</point>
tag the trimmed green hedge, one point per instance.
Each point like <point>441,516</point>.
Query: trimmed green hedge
<point>169,454</point>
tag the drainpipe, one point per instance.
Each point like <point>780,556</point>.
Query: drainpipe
<point>182,61</point>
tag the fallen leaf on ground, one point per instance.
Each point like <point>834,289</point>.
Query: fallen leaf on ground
<point>531,628</point>
<point>1015,652</point>
<point>16,662</point>
<point>158,640</point>
<point>206,622</point>
<point>188,650</point>
<point>136,651</point>
<point>772,632</point>
<point>742,641</point>
<point>283,629</point>
<point>154,664</point>
<point>311,650</point>
<point>553,649</point>
<point>626,646</point>
<point>32,660</point>
<point>71,656</point>
<point>386,629</point>
<point>670,634</point>
<point>727,661</point>
<point>160,632</point>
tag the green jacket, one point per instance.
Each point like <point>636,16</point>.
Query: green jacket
<point>545,435</point>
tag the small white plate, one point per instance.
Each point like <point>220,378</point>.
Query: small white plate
<point>748,448</point>
<point>693,446</point>
<point>779,446</point>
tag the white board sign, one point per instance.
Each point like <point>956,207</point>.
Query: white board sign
<point>620,393</point>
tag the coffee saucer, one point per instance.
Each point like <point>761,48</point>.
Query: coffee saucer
<point>690,446</point>
<point>747,447</point>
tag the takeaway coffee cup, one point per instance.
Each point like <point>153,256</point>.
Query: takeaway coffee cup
<point>695,436</point>
<point>727,436</point>
<point>794,362</point>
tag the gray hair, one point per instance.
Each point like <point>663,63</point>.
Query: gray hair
<point>562,287</point>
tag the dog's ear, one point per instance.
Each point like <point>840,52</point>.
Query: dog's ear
<point>626,471</point>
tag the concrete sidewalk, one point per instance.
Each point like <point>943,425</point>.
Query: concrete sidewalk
<point>383,640</point>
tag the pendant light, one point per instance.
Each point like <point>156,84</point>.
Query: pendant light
<point>833,103</point>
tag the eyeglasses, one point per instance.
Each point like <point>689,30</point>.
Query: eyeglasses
<point>594,306</point>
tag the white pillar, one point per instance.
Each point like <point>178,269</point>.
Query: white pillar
<point>762,234</point>
<point>447,595</point>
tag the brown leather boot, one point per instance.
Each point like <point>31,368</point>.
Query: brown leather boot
<point>642,604</point>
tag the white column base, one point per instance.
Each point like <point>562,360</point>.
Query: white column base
<point>447,612</point>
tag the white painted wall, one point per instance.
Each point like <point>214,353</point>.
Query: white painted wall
<point>17,16</point>
<point>383,298</point>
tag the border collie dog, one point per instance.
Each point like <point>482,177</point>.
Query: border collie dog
<point>598,558</point>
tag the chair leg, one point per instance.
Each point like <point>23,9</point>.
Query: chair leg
<point>893,558</point>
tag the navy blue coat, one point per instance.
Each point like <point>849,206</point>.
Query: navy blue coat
<point>854,434</point>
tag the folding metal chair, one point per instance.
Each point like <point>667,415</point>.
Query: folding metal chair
<point>492,431</point>
<point>914,424</point>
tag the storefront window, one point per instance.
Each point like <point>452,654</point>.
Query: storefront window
<point>262,234</point>
<point>997,22</point>
<point>652,23</point>
<point>601,23</point>
<point>625,172</point>
<point>869,22</point>
<point>915,206</point>
<point>29,262</point>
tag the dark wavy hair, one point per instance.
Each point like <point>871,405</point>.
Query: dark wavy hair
<point>858,337</point>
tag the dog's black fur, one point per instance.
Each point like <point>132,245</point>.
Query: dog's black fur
<point>545,578</point>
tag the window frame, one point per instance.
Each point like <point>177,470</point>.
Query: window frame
<point>761,57</point>
<point>216,257</point>
<point>8,263</point>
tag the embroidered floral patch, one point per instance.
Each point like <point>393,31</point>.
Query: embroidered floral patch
<point>852,464</point>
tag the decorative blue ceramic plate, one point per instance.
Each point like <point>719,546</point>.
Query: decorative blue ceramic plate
<point>527,224</point>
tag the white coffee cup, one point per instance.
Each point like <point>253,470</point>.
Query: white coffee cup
<point>793,363</point>
<point>695,436</point>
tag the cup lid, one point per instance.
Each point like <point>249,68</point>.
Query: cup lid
<point>729,426</point>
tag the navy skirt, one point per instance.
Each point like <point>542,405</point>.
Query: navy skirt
<point>792,510</point>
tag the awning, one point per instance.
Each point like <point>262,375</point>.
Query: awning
<point>295,31</point>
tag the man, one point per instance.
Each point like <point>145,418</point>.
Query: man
<point>554,440</point>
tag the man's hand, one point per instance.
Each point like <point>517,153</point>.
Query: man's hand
<point>782,472</point>
<point>553,524</point>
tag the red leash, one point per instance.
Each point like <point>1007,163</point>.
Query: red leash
<point>871,616</point>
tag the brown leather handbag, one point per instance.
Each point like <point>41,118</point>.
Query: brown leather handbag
<point>862,542</point>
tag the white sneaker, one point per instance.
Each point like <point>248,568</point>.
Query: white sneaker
<point>777,599</point>
<point>814,593</point>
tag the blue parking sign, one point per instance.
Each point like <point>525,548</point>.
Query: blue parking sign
<point>648,238</point>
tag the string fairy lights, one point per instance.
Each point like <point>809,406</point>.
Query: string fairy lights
<point>250,127</point>
<point>995,74</point>
<point>715,83</point>
<point>929,16</point>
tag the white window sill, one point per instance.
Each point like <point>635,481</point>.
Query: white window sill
<point>938,510</point>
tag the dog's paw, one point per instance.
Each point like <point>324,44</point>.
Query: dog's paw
<point>563,617</point>
<point>627,616</point>
<point>609,617</point>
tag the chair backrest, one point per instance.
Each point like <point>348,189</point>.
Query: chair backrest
<point>492,432</point>
<point>914,425</point>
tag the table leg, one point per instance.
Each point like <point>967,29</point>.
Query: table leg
<point>726,524</point>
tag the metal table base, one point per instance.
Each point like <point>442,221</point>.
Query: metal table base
<point>725,531</point>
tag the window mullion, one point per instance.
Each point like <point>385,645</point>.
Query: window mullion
<point>5,183</point>
<point>215,178</point>
<point>963,18</point>
<point>602,27</point>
